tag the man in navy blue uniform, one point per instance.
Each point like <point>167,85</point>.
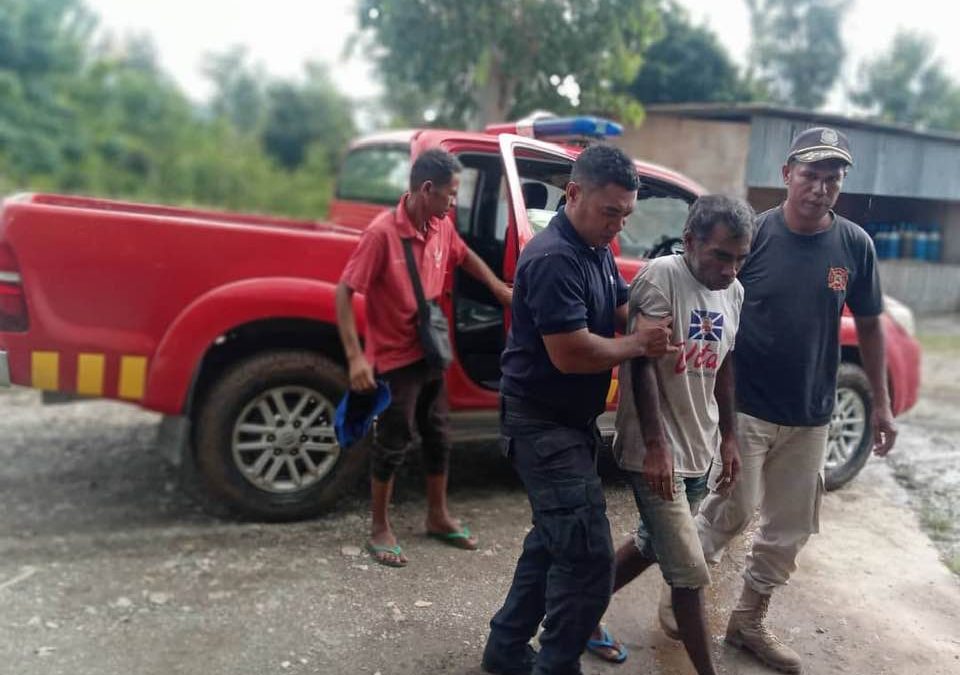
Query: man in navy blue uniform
<point>569,301</point>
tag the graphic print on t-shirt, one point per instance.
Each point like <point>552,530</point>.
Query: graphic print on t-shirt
<point>837,278</point>
<point>697,355</point>
<point>705,325</point>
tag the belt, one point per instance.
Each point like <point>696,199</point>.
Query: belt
<point>525,408</point>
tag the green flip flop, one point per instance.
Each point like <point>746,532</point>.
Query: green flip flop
<point>459,539</point>
<point>376,552</point>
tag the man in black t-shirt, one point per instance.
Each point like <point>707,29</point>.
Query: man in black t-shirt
<point>806,262</point>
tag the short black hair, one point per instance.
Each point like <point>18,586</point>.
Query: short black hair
<point>710,210</point>
<point>435,165</point>
<point>600,164</point>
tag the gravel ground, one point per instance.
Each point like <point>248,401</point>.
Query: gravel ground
<point>108,567</point>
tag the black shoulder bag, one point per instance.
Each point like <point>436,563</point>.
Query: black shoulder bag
<point>431,322</point>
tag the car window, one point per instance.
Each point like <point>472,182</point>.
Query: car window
<point>466,196</point>
<point>378,175</point>
<point>542,212</point>
<point>657,219</point>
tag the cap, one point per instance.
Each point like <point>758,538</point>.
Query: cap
<point>818,144</point>
<point>356,412</point>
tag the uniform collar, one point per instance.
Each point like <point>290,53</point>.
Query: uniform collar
<point>405,226</point>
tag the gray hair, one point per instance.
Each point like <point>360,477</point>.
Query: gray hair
<point>711,210</point>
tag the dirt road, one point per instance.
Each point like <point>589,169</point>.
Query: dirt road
<point>106,567</point>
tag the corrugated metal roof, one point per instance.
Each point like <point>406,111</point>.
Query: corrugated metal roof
<point>744,112</point>
<point>889,160</point>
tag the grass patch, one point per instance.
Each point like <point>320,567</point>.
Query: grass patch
<point>953,563</point>
<point>938,525</point>
<point>939,343</point>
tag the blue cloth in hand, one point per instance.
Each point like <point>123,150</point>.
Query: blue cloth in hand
<point>356,412</point>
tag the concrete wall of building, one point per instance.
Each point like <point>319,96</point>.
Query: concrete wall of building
<point>712,153</point>
<point>951,233</point>
<point>926,288</point>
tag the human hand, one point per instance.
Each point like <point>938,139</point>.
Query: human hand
<point>504,295</point>
<point>884,430</point>
<point>658,470</point>
<point>730,458</point>
<point>361,374</point>
<point>653,336</point>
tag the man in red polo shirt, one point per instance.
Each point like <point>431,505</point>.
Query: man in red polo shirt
<point>378,269</point>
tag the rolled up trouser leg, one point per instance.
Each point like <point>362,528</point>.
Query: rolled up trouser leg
<point>432,414</point>
<point>393,432</point>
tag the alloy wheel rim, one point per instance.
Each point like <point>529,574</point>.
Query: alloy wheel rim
<point>283,440</point>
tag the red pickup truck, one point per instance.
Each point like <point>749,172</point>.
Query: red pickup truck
<point>225,323</point>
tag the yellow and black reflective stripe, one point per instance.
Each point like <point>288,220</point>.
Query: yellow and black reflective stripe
<point>133,377</point>
<point>45,371</point>
<point>45,368</point>
<point>90,369</point>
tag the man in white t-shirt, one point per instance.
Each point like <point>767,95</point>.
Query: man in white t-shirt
<point>677,413</point>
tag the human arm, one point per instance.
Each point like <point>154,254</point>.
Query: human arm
<point>723,390</point>
<point>555,293</point>
<point>622,317</point>
<point>364,267</point>
<point>870,337</point>
<point>581,351</point>
<point>360,371</point>
<point>475,266</point>
<point>658,459</point>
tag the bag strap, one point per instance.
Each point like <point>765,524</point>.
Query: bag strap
<point>415,277</point>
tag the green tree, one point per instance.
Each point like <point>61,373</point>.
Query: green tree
<point>797,50</point>
<point>472,63</point>
<point>687,63</point>
<point>238,86</point>
<point>102,118</point>
<point>908,84</point>
<point>300,116</point>
<point>43,47</point>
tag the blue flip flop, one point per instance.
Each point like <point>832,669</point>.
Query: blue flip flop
<point>606,641</point>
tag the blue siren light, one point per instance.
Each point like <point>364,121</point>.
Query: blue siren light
<point>595,127</point>
<point>559,128</point>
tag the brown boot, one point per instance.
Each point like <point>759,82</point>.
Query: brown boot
<point>668,622</point>
<point>746,630</point>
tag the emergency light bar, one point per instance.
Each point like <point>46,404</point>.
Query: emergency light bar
<point>559,127</point>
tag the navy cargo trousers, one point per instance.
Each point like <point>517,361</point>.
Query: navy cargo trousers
<point>564,576</point>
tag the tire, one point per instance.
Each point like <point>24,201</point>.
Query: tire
<point>289,467</point>
<point>850,437</point>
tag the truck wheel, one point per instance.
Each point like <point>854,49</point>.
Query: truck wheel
<point>264,437</point>
<point>850,437</point>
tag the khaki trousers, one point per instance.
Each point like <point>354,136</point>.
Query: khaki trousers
<point>782,474</point>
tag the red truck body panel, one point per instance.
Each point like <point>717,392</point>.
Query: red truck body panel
<point>148,289</point>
